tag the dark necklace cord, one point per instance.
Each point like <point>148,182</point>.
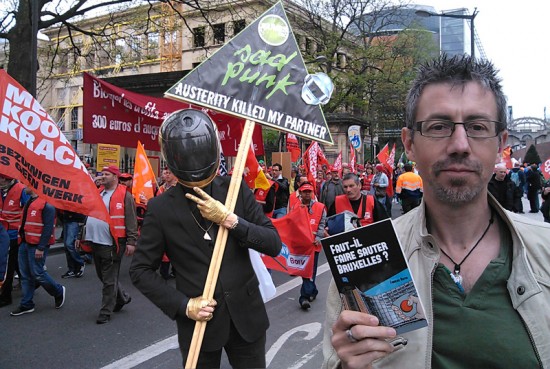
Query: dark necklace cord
<point>457,265</point>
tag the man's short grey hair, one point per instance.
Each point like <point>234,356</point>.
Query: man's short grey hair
<point>353,176</point>
<point>456,70</point>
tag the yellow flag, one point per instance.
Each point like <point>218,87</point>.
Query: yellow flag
<point>144,177</point>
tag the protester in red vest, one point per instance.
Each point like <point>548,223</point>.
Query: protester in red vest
<point>317,219</point>
<point>11,209</point>
<point>367,209</point>
<point>37,235</point>
<point>109,246</point>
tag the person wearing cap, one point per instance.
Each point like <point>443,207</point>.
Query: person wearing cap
<point>183,223</point>
<point>317,219</point>
<point>108,247</point>
<point>14,199</point>
<point>331,188</point>
<point>127,180</point>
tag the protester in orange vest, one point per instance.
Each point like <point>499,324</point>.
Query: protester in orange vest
<point>11,209</point>
<point>367,209</point>
<point>37,235</point>
<point>409,189</point>
<point>108,248</point>
<point>317,219</point>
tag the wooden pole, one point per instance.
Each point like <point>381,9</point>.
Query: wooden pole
<point>221,239</point>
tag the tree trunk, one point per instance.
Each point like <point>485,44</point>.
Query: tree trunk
<point>20,38</point>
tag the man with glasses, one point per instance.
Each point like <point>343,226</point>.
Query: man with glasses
<point>283,192</point>
<point>480,271</point>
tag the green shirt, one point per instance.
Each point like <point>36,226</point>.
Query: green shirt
<point>480,329</point>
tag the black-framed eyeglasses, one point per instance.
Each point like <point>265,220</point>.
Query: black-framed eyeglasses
<point>475,128</point>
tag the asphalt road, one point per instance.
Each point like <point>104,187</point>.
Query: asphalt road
<point>141,336</point>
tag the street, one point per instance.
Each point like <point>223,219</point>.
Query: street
<point>141,336</point>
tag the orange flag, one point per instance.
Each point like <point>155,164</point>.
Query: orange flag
<point>144,177</point>
<point>254,176</point>
<point>506,157</point>
<point>36,152</point>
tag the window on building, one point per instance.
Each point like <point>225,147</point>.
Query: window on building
<point>196,64</point>
<point>63,63</point>
<point>74,118</point>
<point>152,45</point>
<point>135,45</point>
<point>89,61</point>
<point>199,36</point>
<point>238,26</point>
<point>219,33</point>
<point>61,119</point>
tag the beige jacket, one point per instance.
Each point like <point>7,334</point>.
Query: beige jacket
<point>529,287</point>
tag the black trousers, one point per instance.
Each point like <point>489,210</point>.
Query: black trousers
<point>13,266</point>
<point>241,354</point>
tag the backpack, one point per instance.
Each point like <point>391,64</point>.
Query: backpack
<point>514,176</point>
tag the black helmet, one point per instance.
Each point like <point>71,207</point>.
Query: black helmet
<point>189,143</point>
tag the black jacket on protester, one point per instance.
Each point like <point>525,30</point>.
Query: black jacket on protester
<point>503,191</point>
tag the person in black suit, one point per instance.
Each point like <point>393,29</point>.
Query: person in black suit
<point>183,222</point>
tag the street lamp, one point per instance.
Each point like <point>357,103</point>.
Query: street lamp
<point>424,13</point>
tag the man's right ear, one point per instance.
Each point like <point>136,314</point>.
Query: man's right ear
<point>407,140</point>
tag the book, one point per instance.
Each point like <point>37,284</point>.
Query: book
<point>372,275</point>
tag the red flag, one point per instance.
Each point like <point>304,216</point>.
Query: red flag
<point>391,159</point>
<point>352,158</point>
<point>144,177</point>
<point>298,251</point>
<point>293,147</point>
<point>384,155</point>
<point>321,158</point>
<point>506,157</point>
<point>37,153</point>
<point>338,163</point>
<point>387,159</point>
<point>254,176</point>
<point>310,162</point>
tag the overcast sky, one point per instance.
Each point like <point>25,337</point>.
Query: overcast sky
<point>515,36</point>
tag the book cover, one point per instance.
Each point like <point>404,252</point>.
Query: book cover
<point>372,275</point>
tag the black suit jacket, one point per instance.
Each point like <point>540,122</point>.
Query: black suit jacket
<point>169,227</point>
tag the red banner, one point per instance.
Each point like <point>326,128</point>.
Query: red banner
<point>113,115</point>
<point>296,256</point>
<point>35,152</point>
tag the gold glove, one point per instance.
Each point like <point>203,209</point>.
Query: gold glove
<point>211,209</point>
<point>194,307</point>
